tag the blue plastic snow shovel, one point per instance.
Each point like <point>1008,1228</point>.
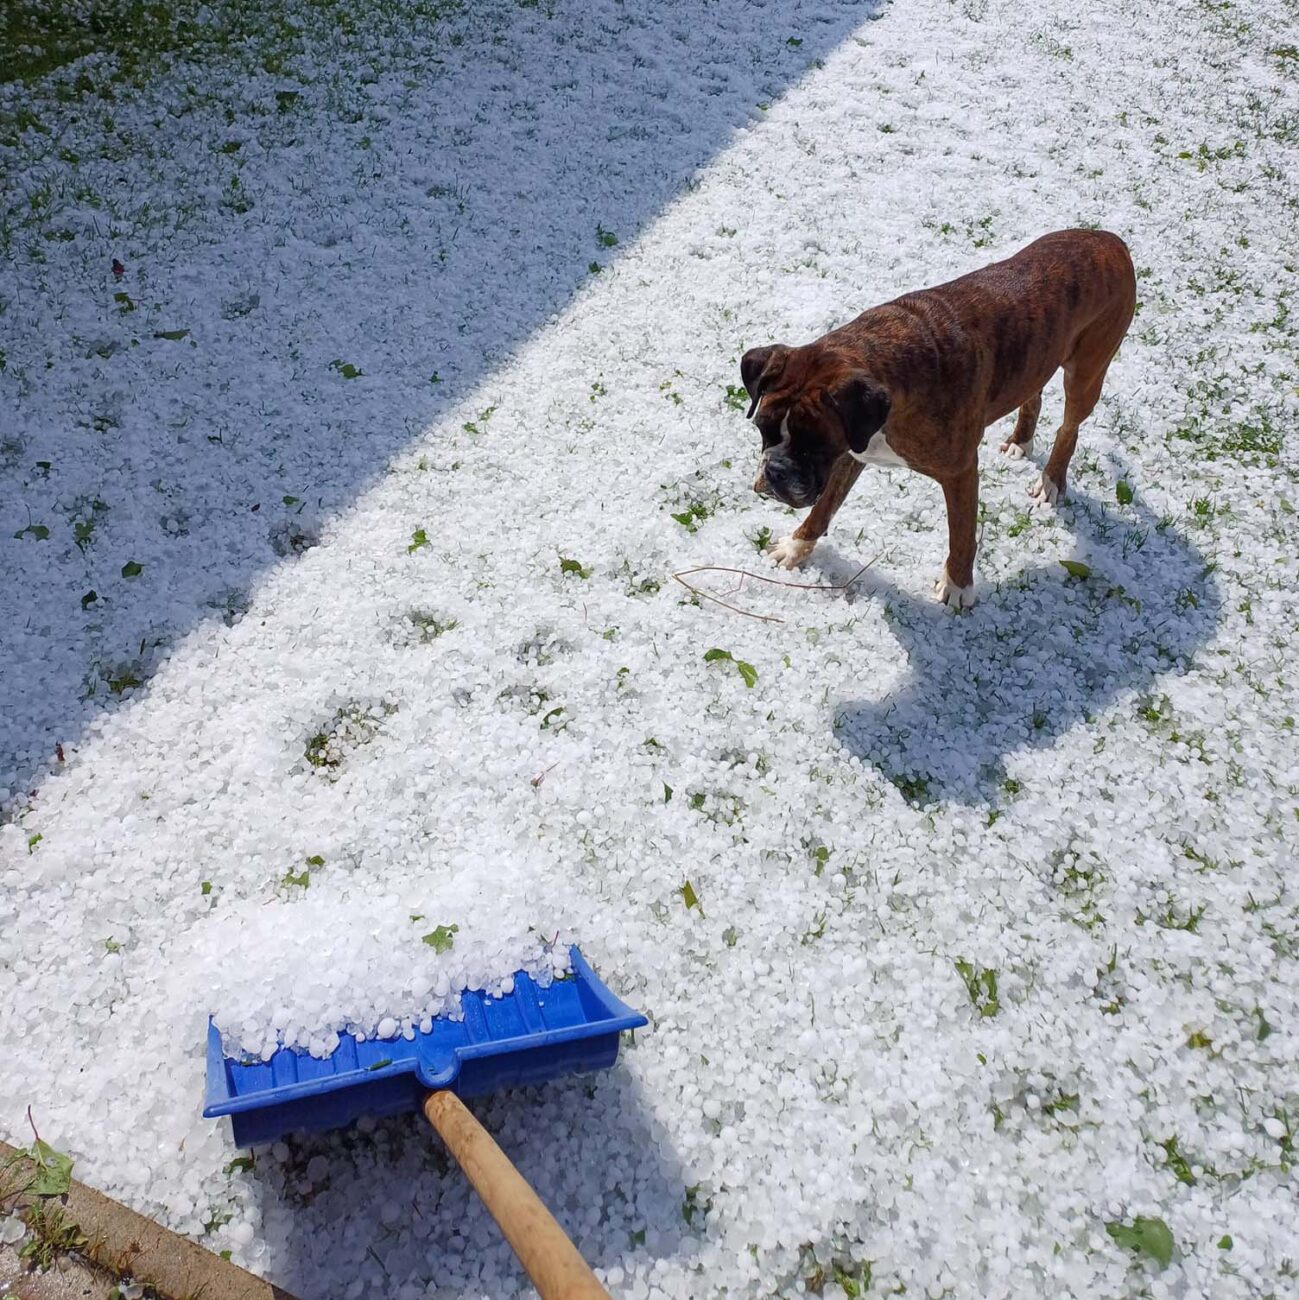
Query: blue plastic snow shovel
<point>529,1036</point>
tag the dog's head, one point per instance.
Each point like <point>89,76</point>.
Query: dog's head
<point>811,407</point>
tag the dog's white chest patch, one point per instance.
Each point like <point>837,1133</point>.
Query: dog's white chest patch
<point>878,452</point>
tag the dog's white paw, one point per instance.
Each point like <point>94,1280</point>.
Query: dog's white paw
<point>950,594</point>
<point>1044,491</point>
<point>790,552</point>
<point>1016,450</point>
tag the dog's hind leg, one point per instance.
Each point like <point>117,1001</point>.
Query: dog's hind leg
<point>1080,398</point>
<point>1020,442</point>
<point>791,551</point>
<point>1084,376</point>
<point>1082,390</point>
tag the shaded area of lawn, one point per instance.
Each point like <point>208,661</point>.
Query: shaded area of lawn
<point>258,249</point>
<point>40,36</point>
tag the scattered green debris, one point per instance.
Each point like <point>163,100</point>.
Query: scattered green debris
<point>302,879</point>
<point>346,369</point>
<point>1123,492</point>
<point>1021,523</point>
<point>1177,1162</point>
<point>690,898</point>
<point>567,565</point>
<point>1146,1236</point>
<point>747,671</point>
<point>693,515</point>
<point>981,985</point>
<point>1076,569</point>
<point>474,428</point>
<point>692,1205</point>
<point>131,569</point>
<point>417,539</point>
<point>52,1171</point>
<point>442,939</point>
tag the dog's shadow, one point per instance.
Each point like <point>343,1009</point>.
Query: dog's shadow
<point>1044,649</point>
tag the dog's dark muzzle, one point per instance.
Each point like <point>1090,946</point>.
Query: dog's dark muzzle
<point>786,482</point>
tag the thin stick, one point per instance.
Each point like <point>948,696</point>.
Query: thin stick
<point>775,582</point>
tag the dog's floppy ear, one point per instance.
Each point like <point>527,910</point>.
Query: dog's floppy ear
<point>760,368</point>
<point>862,407</point>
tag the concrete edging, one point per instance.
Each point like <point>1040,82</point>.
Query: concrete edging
<point>129,1245</point>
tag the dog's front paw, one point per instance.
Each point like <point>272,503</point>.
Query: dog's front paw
<point>790,552</point>
<point>950,594</point>
<point>1045,491</point>
<point>1013,450</point>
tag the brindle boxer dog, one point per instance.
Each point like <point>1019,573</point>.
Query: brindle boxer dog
<point>917,381</point>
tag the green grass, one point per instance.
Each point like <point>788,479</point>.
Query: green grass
<point>981,984</point>
<point>38,37</point>
<point>914,787</point>
<point>351,726</point>
<point>429,627</point>
<point>50,1234</point>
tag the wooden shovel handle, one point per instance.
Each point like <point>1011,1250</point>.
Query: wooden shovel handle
<point>549,1258</point>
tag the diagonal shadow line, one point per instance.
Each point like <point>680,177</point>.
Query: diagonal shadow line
<point>219,455</point>
<point>1042,653</point>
